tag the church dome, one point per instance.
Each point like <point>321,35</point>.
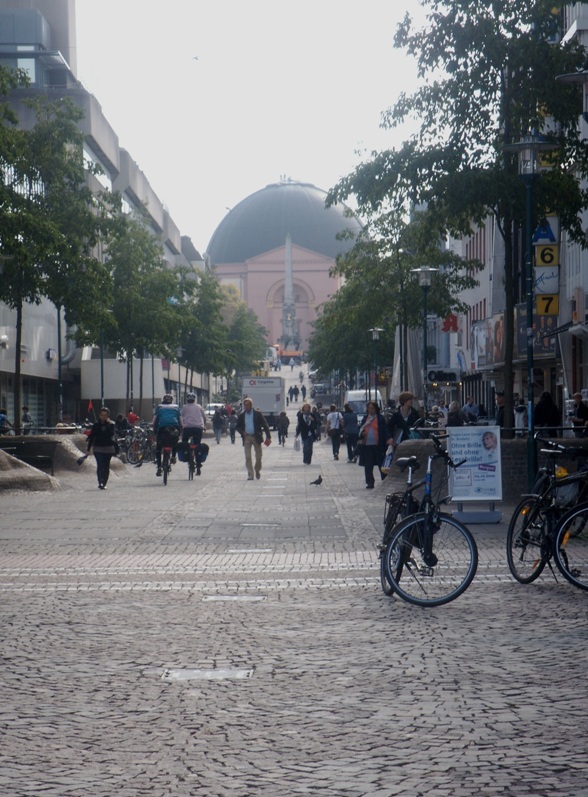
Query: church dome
<point>261,221</point>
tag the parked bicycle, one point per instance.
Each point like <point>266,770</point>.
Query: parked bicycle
<point>540,529</point>
<point>431,558</point>
<point>398,506</point>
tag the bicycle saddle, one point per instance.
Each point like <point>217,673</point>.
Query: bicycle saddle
<point>406,462</point>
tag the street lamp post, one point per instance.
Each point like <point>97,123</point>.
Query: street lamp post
<point>425,277</point>
<point>529,171</point>
<point>375,337</point>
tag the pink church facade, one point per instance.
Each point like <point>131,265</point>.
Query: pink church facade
<point>261,282</point>
<point>249,251</point>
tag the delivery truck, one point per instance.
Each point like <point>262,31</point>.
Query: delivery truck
<point>268,395</point>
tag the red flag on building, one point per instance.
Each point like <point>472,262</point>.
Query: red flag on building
<point>90,406</point>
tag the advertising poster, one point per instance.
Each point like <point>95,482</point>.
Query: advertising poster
<point>480,478</point>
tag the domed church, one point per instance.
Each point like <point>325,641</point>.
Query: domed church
<point>277,247</point>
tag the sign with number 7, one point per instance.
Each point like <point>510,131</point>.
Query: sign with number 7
<point>547,304</point>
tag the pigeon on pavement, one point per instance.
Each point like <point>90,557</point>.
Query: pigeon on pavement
<point>318,481</point>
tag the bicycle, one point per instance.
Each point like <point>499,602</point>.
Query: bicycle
<point>531,537</point>
<point>398,505</point>
<point>431,558</point>
<point>197,453</point>
<point>570,547</point>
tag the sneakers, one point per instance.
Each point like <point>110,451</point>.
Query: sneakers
<point>258,475</point>
<point>173,460</point>
<point>250,478</point>
<point>158,472</point>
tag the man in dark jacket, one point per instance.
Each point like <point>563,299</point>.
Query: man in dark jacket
<point>251,425</point>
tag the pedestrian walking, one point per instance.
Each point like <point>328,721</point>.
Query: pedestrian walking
<point>218,425</point>
<point>252,425</point>
<point>292,363</point>
<point>351,429</point>
<point>334,429</point>
<point>373,442</point>
<point>283,424</point>
<point>296,392</point>
<point>291,392</point>
<point>306,430</point>
<point>403,419</point>
<point>233,417</point>
<point>101,444</point>
<point>303,392</point>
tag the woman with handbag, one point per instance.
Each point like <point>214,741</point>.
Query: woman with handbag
<point>306,430</point>
<point>373,442</point>
<point>335,429</point>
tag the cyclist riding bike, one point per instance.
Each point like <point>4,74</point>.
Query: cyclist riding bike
<point>193,420</point>
<point>167,423</point>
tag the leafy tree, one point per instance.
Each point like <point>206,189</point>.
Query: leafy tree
<point>147,296</point>
<point>50,219</point>
<point>488,77</point>
<point>380,290</point>
<point>204,337</point>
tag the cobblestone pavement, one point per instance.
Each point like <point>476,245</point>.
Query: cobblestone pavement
<point>226,637</point>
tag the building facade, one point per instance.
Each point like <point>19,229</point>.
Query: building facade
<point>39,36</point>
<point>284,226</point>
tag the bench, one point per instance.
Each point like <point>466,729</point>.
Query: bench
<point>38,453</point>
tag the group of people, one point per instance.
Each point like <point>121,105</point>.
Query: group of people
<point>294,392</point>
<point>366,442</point>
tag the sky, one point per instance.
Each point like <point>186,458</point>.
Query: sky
<point>215,99</point>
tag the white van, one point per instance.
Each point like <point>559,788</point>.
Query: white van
<point>357,399</point>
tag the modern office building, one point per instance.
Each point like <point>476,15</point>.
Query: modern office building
<point>39,36</point>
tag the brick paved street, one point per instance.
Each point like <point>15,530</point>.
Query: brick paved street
<point>226,637</point>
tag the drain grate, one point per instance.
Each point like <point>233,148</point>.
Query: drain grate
<point>216,674</point>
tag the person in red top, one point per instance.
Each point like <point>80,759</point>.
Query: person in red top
<point>132,417</point>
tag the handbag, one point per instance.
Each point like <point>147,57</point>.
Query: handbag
<point>388,458</point>
<point>296,444</point>
<point>334,432</point>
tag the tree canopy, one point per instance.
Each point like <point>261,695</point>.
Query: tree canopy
<point>487,71</point>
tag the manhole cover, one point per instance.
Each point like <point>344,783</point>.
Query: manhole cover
<point>234,597</point>
<point>217,674</point>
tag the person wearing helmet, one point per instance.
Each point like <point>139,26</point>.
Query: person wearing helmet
<point>193,420</point>
<point>167,423</point>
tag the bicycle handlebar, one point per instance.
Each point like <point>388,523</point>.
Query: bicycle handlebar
<point>571,451</point>
<point>442,452</point>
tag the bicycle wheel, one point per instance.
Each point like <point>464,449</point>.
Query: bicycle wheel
<point>570,546</point>
<point>191,466</point>
<point>455,557</point>
<point>527,541</point>
<point>165,466</point>
<point>135,452</point>
<point>393,505</point>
